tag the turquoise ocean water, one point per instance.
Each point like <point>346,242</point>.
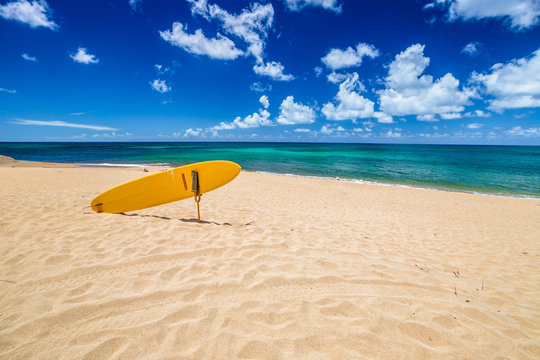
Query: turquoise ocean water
<point>498,170</point>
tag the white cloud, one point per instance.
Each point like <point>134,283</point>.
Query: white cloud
<point>339,59</point>
<point>471,49</point>
<point>318,71</point>
<point>519,131</point>
<point>262,118</point>
<point>329,129</point>
<point>251,25</point>
<point>272,69</point>
<point>383,118</point>
<point>426,117</point>
<point>326,130</point>
<point>477,113</point>
<point>302,130</point>
<point>160,86</point>
<point>33,13</point>
<point>160,69</point>
<point>9,91</point>
<point>29,58</point>
<point>194,133</point>
<point>81,56</point>
<point>298,5</point>
<point>523,14</point>
<point>60,123</point>
<point>392,134</point>
<point>451,116</point>
<point>474,126</point>
<point>76,114</point>
<point>112,135</point>
<point>293,113</point>
<point>338,78</point>
<point>408,92</point>
<point>217,48</point>
<point>260,87</point>
<point>264,101</point>
<point>513,85</point>
<point>350,104</point>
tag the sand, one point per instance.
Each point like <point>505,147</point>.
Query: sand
<point>281,268</point>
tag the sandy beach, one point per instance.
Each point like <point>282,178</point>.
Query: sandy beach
<point>280,268</point>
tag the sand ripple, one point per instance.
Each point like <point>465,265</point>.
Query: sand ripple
<point>280,269</point>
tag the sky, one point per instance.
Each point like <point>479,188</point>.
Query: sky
<point>387,71</point>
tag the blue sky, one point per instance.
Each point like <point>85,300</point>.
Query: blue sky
<point>418,71</point>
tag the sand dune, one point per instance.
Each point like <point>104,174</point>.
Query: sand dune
<point>281,268</point>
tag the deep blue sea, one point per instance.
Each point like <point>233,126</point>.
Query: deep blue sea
<point>498,170</point>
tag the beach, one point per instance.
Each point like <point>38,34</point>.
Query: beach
<point>281,267</point>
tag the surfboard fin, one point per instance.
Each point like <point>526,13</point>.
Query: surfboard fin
<point>196,190</point>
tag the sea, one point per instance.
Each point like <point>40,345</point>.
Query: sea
<point>494,170</point>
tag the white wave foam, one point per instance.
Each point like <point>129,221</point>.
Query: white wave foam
<point>120,164</point>
<point>368,182</point>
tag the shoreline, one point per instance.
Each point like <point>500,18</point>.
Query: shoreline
<point>345,180</point>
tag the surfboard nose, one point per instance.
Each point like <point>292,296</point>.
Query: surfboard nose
<point>97,206</point>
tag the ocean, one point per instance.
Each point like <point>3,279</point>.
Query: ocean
<point>495,170</point>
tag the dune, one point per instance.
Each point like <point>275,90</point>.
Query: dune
<point>281,267</point>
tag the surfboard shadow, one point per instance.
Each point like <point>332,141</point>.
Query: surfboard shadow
<point>190,220</point>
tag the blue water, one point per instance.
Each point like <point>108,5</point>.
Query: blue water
<point>501,170</point>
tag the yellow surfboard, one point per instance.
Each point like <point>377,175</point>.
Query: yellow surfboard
<point>166,186</point>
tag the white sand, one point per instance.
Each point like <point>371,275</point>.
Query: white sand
<point>282,268</point>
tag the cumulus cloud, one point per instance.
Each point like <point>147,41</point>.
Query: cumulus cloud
<point>194,132</point>
<point>472,48</point>
<point>392,134</point>
<point>338,78</point>
<point>513,85</point>
<point>519,131</point>
<point>160,86</point>
<point>426,117</point>
<point>261,118</point>
<point>29,58</point>
<point>251,25</point>
<point>298,5</point>
<point>264,101</point>
<point>477,113</point>
<point>272,69</point>
<point>34,14</point>
<point>522,14</point>
<point>81,56</point>
<point>350,104</point>
<point>450,116</point>
<point>220,47</point>
<point>302,130</point>
<point>293,113</point>
<point>474,126</point>
<point>249,28</point>
<point>408,92</point>
<point>329,129</point>
<point>339,59</point>
<point>61,124</point>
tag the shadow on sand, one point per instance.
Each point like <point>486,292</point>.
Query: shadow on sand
<point>191,220</point>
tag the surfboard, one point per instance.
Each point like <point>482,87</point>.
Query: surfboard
<point>166,186</point>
